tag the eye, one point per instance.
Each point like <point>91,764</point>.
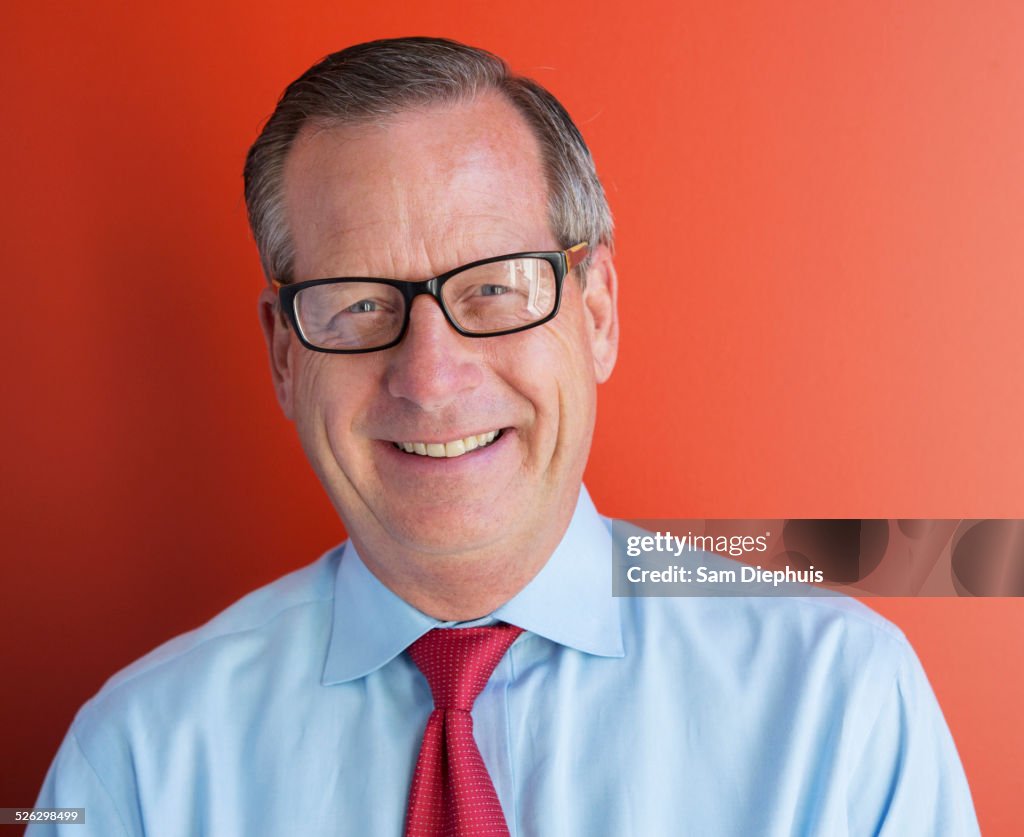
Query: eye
<point>364,306</point>
<point>494,290</point>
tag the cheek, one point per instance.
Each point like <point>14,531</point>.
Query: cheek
<point>554,372</point>
<point>325,396</point>
<point>307,380</point>
<point>578,388</point>
<point>572,352</point>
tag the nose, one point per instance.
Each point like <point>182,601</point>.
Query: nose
<point>433,365</point>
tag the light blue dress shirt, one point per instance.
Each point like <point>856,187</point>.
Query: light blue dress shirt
<point>296,712</point>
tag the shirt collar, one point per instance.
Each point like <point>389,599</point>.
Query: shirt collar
<point>569,602</point>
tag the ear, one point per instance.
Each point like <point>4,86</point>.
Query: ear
<point>279,338</point>
<point>600,302</point>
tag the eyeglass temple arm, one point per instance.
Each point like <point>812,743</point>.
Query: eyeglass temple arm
<point>575,255</point>
<point>276,284</point>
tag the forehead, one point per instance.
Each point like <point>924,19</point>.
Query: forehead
<point>417,193</point>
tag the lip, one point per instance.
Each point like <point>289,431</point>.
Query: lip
<point>414,463</point>
<point>464,444</point>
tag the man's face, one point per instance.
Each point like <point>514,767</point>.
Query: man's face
<point>410,198</point>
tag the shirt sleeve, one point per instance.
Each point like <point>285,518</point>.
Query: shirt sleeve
<point>909,780</point>
<point>72,782</point>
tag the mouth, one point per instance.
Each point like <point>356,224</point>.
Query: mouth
<point>453,449</point>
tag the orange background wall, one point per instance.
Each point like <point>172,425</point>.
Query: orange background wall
<point>820,210</point>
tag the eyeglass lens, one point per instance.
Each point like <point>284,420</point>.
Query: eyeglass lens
<point>488,298</point>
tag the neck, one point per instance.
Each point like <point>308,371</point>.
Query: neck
<point>460,586</point>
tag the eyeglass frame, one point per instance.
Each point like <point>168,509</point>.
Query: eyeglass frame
<point>562,262</point>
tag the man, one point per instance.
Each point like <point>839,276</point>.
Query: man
<point>441,307</point>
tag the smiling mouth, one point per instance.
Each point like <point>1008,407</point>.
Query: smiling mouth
<point>450,450</point>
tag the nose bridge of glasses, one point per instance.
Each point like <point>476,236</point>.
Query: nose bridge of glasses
<point>427,287</point>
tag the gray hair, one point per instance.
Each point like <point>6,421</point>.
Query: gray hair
<point>378,79</point>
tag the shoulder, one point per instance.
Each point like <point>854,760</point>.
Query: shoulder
<point>251,635</point>
<point>805,662</point>
<point>783,625</point>
<point>714,609</point>
<point>707,595</point>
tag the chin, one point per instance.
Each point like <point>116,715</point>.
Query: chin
<point>449,533</point>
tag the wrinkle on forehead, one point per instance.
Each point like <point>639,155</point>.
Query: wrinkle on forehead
<point>417,194</point>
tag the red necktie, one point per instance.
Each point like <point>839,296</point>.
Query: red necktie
<point>452,794</point>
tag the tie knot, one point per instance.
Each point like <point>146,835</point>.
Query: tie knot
<point>458,662</point>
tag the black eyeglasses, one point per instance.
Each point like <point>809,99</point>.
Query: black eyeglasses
<point>500,295</point>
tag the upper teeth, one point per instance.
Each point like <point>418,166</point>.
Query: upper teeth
<point>449,449</point>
